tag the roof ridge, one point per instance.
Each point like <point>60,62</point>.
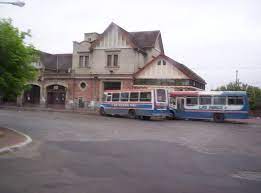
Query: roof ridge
<point>145,31</point>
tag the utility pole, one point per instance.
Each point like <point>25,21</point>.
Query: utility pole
<point>236,77</point>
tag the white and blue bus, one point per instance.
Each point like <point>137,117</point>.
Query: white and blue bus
<point>215,105</point>
<point>140,103</point>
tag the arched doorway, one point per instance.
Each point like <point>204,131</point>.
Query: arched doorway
<point>56,96</point>
<point>32,96</point>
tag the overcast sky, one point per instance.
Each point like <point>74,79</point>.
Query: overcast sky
<point>212,37</point>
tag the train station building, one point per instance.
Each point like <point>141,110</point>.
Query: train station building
<point>115,59</point>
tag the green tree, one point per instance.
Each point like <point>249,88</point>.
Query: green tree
<point>16,60</point>
<point>254,93</point>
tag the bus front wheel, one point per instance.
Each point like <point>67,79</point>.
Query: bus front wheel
<point>102,111</point>
<point>219,117</point>
<point>132,114</point>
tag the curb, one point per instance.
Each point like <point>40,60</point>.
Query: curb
<point>48,110</point>
<point>19,145</point>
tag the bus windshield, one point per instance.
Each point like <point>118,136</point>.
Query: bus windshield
<point>161,95</point>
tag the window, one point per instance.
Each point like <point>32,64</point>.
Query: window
<point>172,100</point>
<point>161,95</point>
<point>219,100</point>
<point>86,61</point>
<point>109,58</point>
<point>108,98</point>
<point>115,60</point>
<point>134,96</point>
<point>192,101</point>
<point>81,61</point>
<point>205,100</point>
<point>83,85</point>
<point>235,100</point>
<point>164,62</point>
<point>115,96</point>
<point>145,96</point>
<point>125,96</point>
<point>159,62</point>
<point>112,60</point>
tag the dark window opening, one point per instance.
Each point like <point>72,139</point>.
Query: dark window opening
<point>134,96</point>
<point>145,96</point>
<point>219,100</point>
<point>125,96</point>
<point>235,100</point>
<point>192,101</point>
<point>205,100</point>
<point>115,96</point>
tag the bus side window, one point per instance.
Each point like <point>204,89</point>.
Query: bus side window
<point>115,96</point>
<point>145,96</point>
<point>192,101</point>
<point>205,100</point>
<point>219,100</point>
<point>235,100</point>
<point>108,98</point>
<point>134,96</point>
<point>125,96</point>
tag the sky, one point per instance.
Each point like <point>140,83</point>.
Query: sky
<point>214,38</point>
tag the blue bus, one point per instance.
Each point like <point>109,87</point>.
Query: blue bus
<point>215,105</point>
<point>140,103</point>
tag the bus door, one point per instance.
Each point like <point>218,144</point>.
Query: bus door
<point>180,103</point>
<point>161,99</point>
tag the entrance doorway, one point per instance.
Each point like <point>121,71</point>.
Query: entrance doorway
<point>56,96</point>
<point>32,96</point>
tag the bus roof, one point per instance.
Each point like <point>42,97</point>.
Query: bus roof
<point>130,90</point>
<point>207,93</point>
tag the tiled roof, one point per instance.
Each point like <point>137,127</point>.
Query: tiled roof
<point>141,39</point>
<point>145,39</point>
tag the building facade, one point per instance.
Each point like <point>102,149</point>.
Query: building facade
<point>115,59</point>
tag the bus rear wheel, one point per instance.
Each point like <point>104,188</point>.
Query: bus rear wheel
<point>132,114</point>
<point>102,111</point>
<point>146,117</point>
<point>219,117</point>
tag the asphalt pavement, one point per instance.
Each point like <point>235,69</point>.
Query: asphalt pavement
<point>89,154</point>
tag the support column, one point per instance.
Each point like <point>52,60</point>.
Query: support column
<point>43,96</point>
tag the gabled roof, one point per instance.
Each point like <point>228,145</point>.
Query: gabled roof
<point>140,40</point>
<point>145,39</point>
<point>50,61</point>
<point>192,75</point>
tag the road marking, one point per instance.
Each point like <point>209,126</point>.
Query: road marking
<point>248,175</point>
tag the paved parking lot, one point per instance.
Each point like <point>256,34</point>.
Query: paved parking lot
<point>80,153</point>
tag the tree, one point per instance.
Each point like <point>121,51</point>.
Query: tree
<point>254,93</point>
<point>16,60</point>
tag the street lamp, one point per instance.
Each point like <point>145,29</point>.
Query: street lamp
<point>16,3</point>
